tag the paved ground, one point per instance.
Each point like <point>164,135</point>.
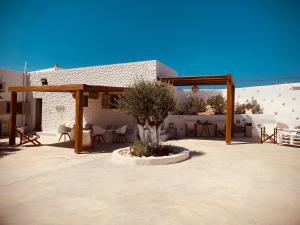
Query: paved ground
<point>238,184</point>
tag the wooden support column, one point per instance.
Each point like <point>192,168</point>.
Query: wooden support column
<point>78,122</point>
<point>12,118</point>
<point>233,110</point>
<point>229,110</point>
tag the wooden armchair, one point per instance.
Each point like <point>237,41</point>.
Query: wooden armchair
<point>268,133</point>
<point>239,129</point>
<point>27,138</point>
<point>190,128</point>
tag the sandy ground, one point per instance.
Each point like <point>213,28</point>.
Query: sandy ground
<point>238,184</point>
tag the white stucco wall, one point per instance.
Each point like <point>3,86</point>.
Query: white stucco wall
<point>121,75</point>
<point>281,101</point>
<point>10,78</point>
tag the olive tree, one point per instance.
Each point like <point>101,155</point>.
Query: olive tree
<point>252,105</point>
<point>218,104</point>
<point>192,105</point>
<point>149,103</point>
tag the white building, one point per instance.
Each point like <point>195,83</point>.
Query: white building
<point>48,110</point>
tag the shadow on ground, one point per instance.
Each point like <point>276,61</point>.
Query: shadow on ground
<point>97,148</point>
<point>194,153</point>
<point>6,149</point>
<point>235,140</point>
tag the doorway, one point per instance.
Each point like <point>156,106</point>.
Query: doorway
<point>38,114</point>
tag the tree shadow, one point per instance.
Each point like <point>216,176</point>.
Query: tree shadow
<point>107,148</point>
<point>195,153</point>
<point>96,148</point>
<point>66,144</point>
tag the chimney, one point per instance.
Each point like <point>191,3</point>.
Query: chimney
<point>56,66</point>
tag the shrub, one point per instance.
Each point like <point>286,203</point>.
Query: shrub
<point>140,149</point>
<point>240,108</point>
<point>218,104</point>
<point>252,105</point>
<point>192,105</point>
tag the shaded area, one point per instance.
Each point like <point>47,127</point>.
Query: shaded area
<point>6,149</point>
<point>97,148</point>
<point>196,153</point>
<point>235,140</point>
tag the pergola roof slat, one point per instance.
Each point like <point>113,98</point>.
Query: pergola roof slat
<point>199,80</point>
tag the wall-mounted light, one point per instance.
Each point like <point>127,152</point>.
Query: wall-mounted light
<point>44,81</point>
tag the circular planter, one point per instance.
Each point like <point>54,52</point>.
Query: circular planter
<point>117,157</point>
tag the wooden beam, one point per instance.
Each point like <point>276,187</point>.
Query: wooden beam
<point>233,106</point>
<point>78,122</point>
<point>96,88</point>
<point>12,118</point>
<point>229,111</point>
<point>66,88</point>
<point>48,88</point>
<point>197,80</point>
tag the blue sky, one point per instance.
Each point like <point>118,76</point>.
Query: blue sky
<point>250,39</point>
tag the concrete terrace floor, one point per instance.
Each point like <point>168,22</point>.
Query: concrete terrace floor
<point>238,184</point>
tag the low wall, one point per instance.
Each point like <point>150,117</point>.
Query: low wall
<point>256,119</point>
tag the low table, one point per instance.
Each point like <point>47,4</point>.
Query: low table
<point>109,136</point>
<point>289,137</point>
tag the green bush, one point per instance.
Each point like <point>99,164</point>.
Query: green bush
<point>192,105</point>
<point>252,105</point>
<point>218,104</point>
<point>140,149</point>
<point>240,108</point>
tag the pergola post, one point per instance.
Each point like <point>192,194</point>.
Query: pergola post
<point>78,122</point>
<point>229,110</point>
<point>233,110</point>
<point>13,118</point>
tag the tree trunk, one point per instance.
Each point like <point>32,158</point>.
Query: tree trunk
<point>142,133</point>
<point>154,134</point>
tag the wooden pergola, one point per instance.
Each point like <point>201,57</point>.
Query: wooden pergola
<point>78,89</point>
<point>211,80</point>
